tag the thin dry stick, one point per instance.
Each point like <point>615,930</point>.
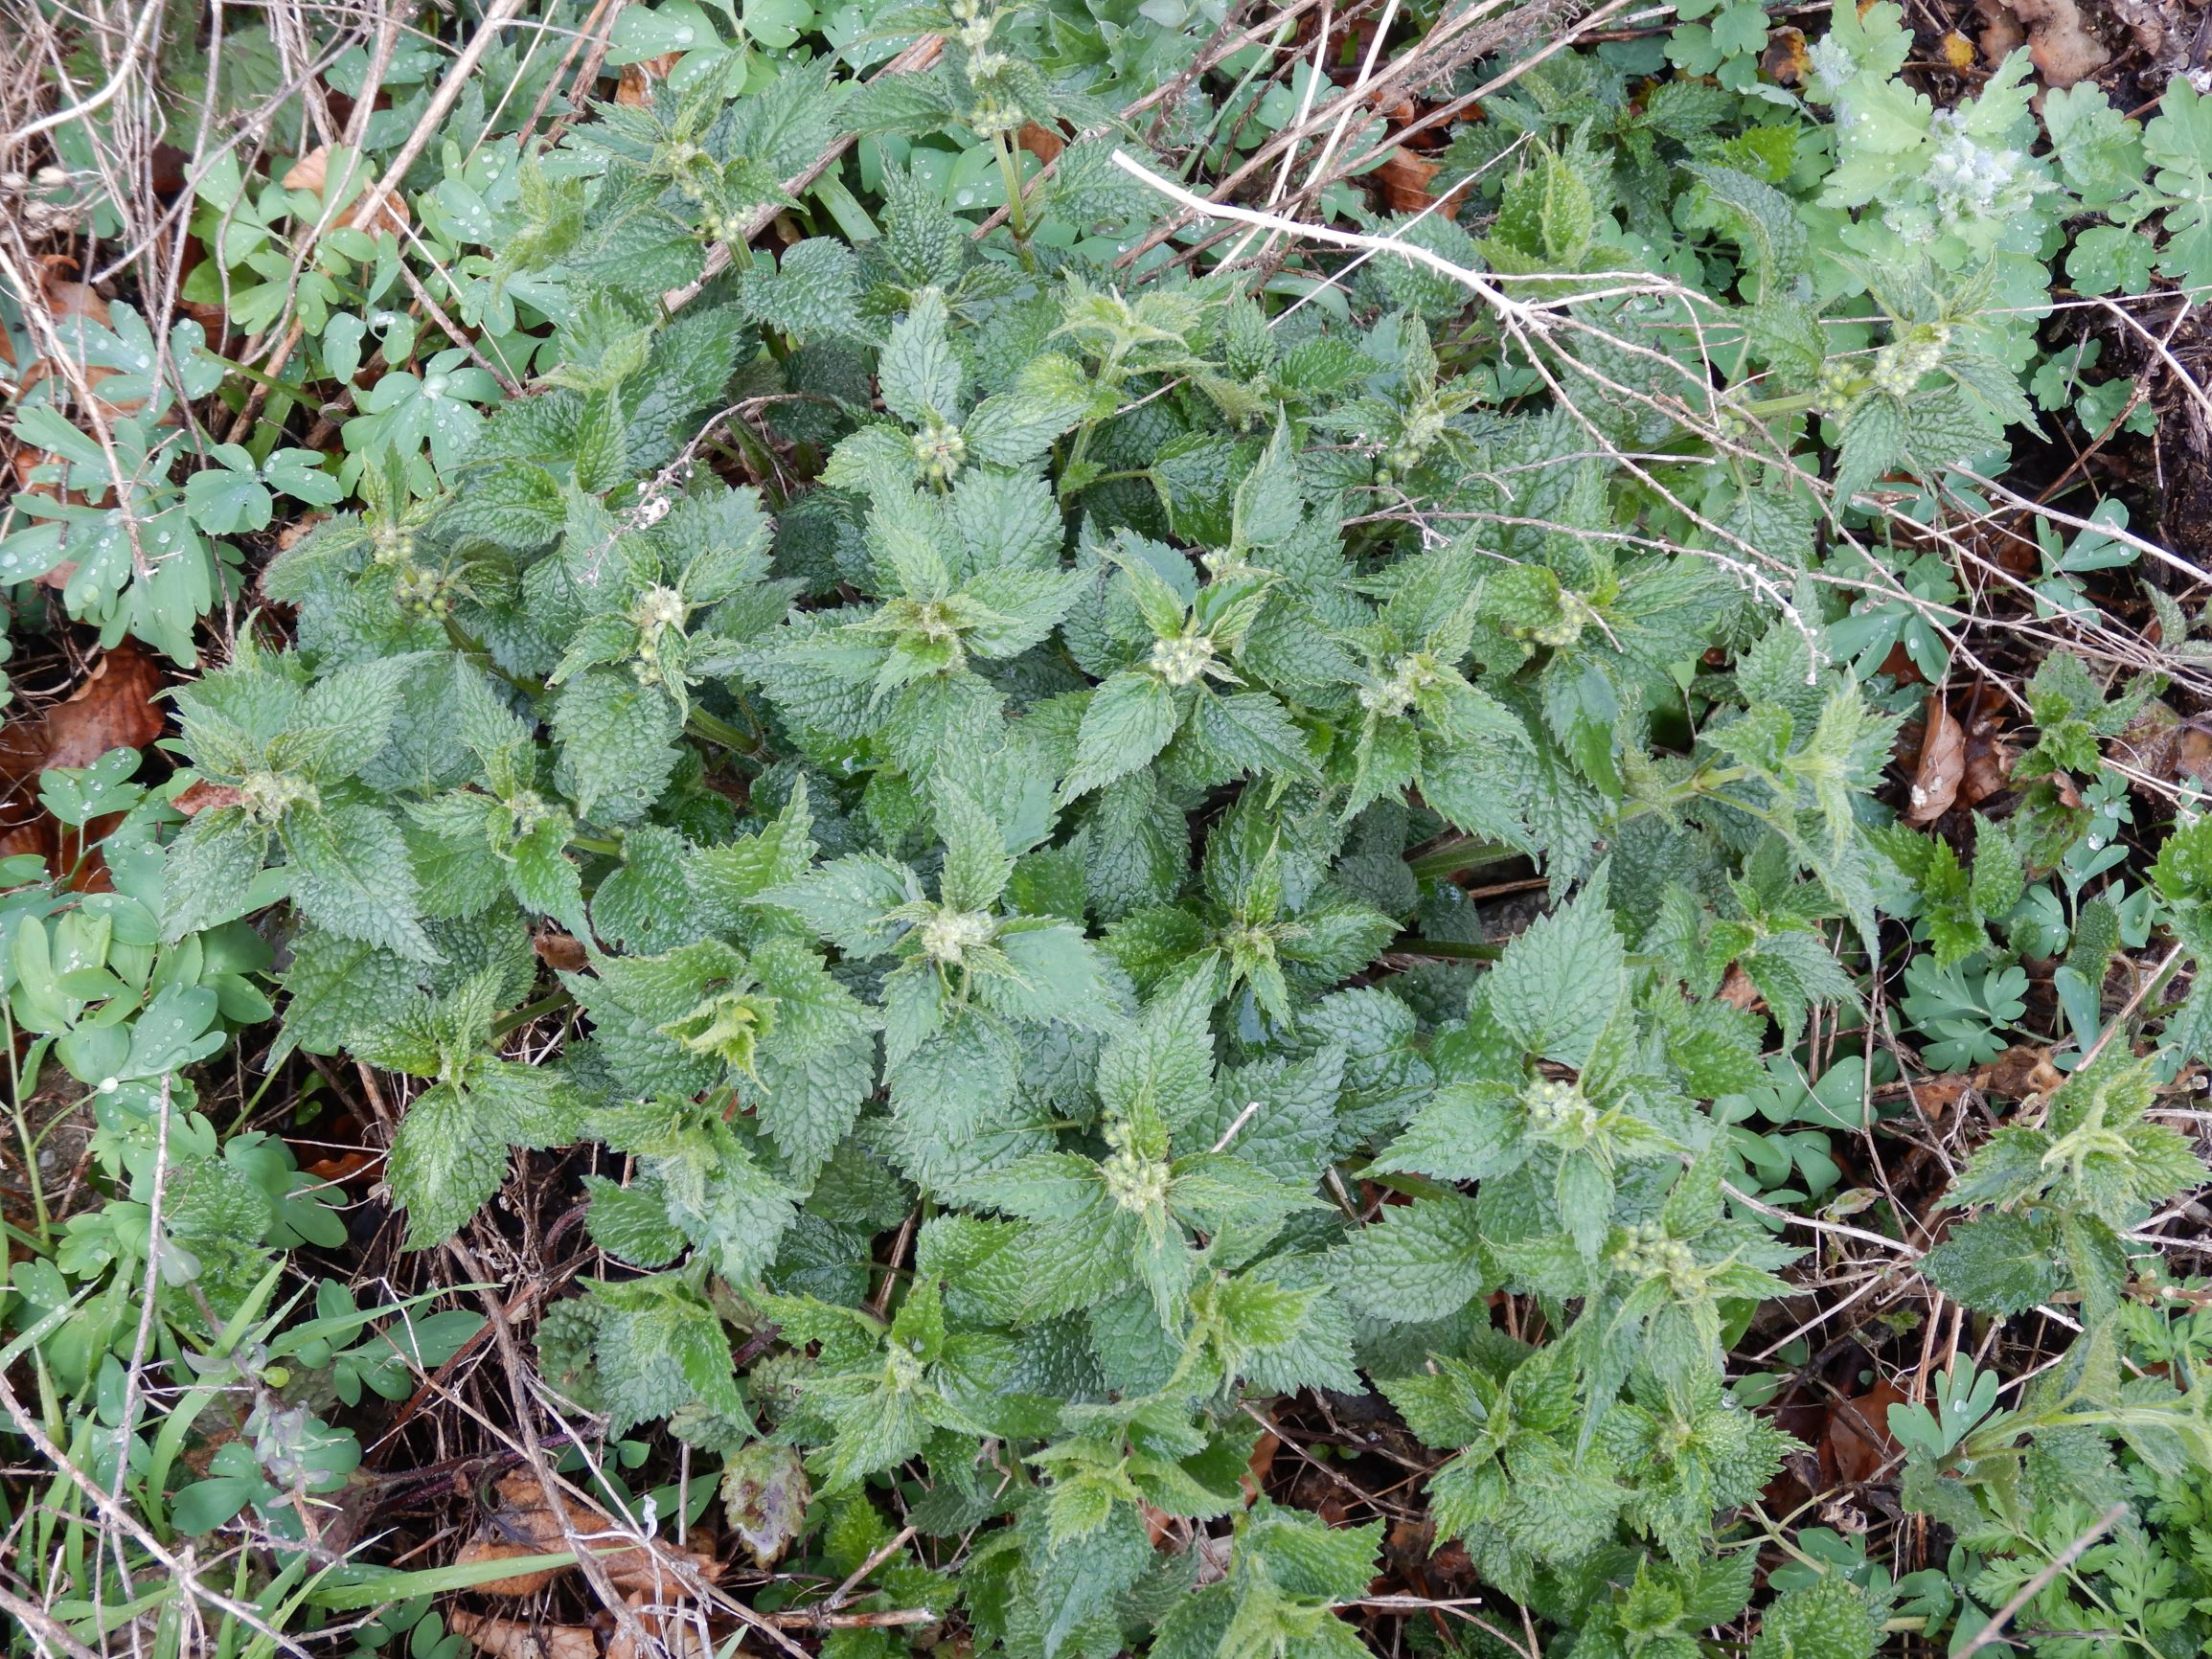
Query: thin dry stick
<point>1992,1632</point>
<point>43,1629</point>
<point>120,1515</point>
<point>601,12</point>
<point>149,15</point>
<point>858,1575</point>
<point>1818,1226</point>
<point>448,93</point>
<point>1291,137</point>
<point>1528,321</point>
<point>916,58</point>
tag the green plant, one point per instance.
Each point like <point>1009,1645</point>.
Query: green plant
<point>994,741</point>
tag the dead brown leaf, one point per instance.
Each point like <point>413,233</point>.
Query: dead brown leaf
<point>112,709</point>
<point>1263,1461</point>
<point>1899,667</point>
<point>1858,1442</point>
<point>672,1635</point>
<point>295,532</point>
<point>764,1495</point>
<point>1040,141</point>
<point>519,1639</point>
<point>1737,990</point>
<point>1935,780</point>
<point>2060,41</point>
<point>478,1551</point>
<point>68,302</point>
<point>2192,753</point>
<point>2022,1069</point>
<point>1785,63</point>
<point>1937,1096</point>
<point>204,797</point>
<point>1989,763</point>
<point>525,1525</point>
<point>1405,178</point>
<point>635,86</point>
<point>311,173</point>
<point>559,950</point>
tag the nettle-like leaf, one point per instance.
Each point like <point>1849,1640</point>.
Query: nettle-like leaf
<point>1147,1212</point>
<point>943,430</point>
<point>2066,1191</point>
<point>1289,1574</point>
<point>450,1152</point>
<point>1560,991</point>
<point>967,971</point>
<point>294,751</point>
<point>905,673</point>
<point>1423,723</point>
<point>1248,930</point>
<point>1004,865</point>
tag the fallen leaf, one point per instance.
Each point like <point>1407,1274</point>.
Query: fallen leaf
<point>519,1639</point>
<point>69,301</point>
<point>311,173</point>
<point>295,532</point>
<point>37,836</point>
<point>478,1551</point>
<point>1040,141</point>
<point>343,1168</point>
<point>112,709</point>
<point>1405,178</point>
<point>1937,1096</point>
<point>526,1525</point>
<point>635,86</point>
<point>1737,990</point>
<point>1858,1444</point>
<point>1942,764</point>
<point>204,796</point>
<point>1785,63</point>
<point>2022,1069</point>
<point>672,1635</point>
<point>2192,753</point>
<point>1262,1460</point>
<point>1989,763</point>
<point>559,950</point>
<point>764,1495</point>
<point>1899,667</point>
<point>1956,50</point>
<point>2060,41</point>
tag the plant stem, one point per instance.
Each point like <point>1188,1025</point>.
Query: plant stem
<point>1016,206</point>
<point>720,732</point>
<point>529,1012</point>
<point>1448,949</point>
<point>1462,853</point>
